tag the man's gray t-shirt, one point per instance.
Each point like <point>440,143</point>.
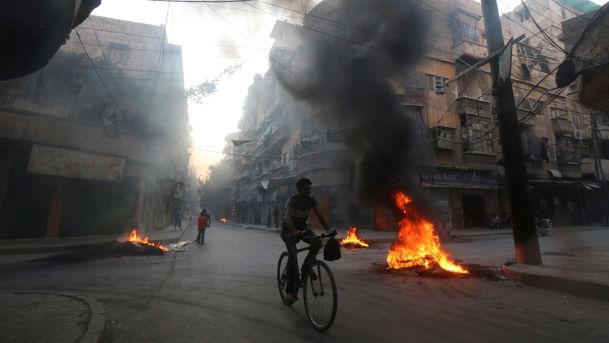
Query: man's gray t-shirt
<point>301,207</point>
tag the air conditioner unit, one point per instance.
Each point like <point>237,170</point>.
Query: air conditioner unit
<point>577,134</point>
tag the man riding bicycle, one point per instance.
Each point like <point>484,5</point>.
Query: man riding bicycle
<point>294,228</point>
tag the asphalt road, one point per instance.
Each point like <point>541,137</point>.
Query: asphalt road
<point>226,291</point>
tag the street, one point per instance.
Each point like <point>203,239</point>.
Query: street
<point>225,291</point>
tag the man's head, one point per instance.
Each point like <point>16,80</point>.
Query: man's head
<point>304,186</point>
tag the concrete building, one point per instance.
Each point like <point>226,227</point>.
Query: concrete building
<point>453,111</point>
<point>96,141</point>
<point>587,65</point>
<point>563,184</point>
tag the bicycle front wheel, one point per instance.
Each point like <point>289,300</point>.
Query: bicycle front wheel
<point>282,276</point>
<point>320,296</point>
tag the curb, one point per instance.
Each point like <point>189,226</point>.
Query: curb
<point>97,320</point>
<point>48,249</point>
<point>276,230</point>
<point>42,249</point>
<point>573,286</point>
<point>478,234</point>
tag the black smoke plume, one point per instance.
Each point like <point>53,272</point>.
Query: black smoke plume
<point>351,50</point>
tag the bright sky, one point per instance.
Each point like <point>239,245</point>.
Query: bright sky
<point>214,36</point>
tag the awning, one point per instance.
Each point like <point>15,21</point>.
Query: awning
<point>555,173</point>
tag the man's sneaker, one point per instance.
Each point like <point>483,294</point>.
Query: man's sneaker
<point>290,299</point>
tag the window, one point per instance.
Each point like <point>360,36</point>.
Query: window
<point>558,113</point>
<point>437,84</point>
<point>523,15</point>
<point>568,150</point>
<point>476,134</point>
<point>532,58</point>
<point>416,117</point>
<point>470,33</point>
<point>444,137</point>
<point>118,53</point>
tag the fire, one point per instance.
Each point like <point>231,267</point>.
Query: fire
<point>417,244</point>
<point>353,239</point>
<point>144,241</point>
<point>223,220</point>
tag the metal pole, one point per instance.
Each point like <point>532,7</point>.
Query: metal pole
<point>525,233</point>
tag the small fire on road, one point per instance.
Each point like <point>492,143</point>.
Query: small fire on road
<point>223,220</point>
<point>136,239</point>
<point>352,239</point>
<point>418,246</point>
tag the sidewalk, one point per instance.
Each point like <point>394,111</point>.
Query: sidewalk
<point>50,317</point>
<point>51,245</point>
<point>388,236</point>
<point>583,272</point>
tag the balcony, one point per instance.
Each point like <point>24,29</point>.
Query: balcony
<point>443,138</point>
<point>413,97</point>
<point>473,106</point>
<point>561,125</point>
<point>468,40</point>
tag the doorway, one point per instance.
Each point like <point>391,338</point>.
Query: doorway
<point>474,211</point>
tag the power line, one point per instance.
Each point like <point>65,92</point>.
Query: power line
<point>106,61</point>
<point>96,71</point>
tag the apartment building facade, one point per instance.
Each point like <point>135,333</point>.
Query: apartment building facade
<point>453,110</point>
<point>96,142</point>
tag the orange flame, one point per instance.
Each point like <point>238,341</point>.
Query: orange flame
<point>417,243</point>
<point>137,239</point>
<point>352,238</point>
<point>223,220</point>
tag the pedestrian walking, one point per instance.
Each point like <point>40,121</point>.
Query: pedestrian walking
<point>276,216</point>
<point>178,219</point>
<point>202,225</point>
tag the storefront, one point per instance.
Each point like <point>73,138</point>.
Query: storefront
<point>465,198</point>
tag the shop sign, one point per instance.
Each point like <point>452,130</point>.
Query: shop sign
<point>48,160</point>
<point>459,178</point>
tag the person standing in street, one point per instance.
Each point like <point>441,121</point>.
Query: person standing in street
<point>178,219</point>
<point>202,225</point>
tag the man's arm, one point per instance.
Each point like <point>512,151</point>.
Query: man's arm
<point>320,217</point>
<point>289,214</point>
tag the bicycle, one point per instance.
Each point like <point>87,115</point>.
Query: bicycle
<point>316,291</point>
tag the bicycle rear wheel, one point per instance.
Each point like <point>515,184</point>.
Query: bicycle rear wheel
<point>282,276</point>
<point>320,296</point>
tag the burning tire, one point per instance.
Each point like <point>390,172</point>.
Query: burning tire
<point>282,277</point>
<point>320,296</point>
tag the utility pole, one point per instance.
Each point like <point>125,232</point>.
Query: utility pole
<point>523,219</point>
<point>598,171</point>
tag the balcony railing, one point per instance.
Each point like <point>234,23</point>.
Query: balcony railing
<point>561,125</point>
<point>413,96</point>
<point>473,106</point>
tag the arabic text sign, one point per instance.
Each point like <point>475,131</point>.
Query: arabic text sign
<point>48,160</point>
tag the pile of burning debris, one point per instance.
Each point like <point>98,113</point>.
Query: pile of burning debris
<point>418,246</point>
<point>137,245</point>
<point>352,240</point>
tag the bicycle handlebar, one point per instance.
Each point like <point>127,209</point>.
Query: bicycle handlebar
<point>327,235</point>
